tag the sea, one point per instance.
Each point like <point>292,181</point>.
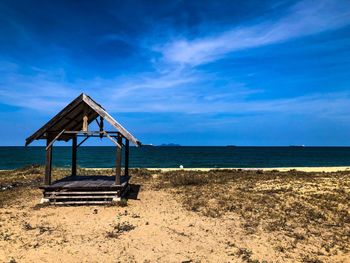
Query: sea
<point>187,156</point>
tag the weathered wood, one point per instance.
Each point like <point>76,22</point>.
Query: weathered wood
<point>98,123</point>
<point>81,197</point>
<point>74,156</point>
<point>85,120</point>
<point>86,182</point>
<point>55,139</point>
<point>70,107</point>
<point>84,140</point>
<point>70,118</point>
<point>126,166</point>
<point>95,135</point>
<point>93,202</point>
<point>69,123</point>
<point>110,119</point>
<point>118,161</point>
<point>116,142</point>
<point>79,126</point>
<point>89,132</point>
<point>48,162</point>
<point>101,126</point>
<point>81,193</point>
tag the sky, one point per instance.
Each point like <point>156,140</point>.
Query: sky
<point>242,73</point>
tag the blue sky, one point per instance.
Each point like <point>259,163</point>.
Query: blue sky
<point>189,72</point>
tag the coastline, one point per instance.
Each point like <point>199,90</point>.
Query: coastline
<point>326,169</point>
<point>281,169</point>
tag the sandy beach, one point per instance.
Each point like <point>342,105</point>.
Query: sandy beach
<point>282,169</point>
<point>183,216</point>
<point>326,169</point>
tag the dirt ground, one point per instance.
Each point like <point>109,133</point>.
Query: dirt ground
<point>156,225</point>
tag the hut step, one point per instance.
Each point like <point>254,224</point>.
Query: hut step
<point>81,202</point>
<point>81,193</point>
<point>82,197</point>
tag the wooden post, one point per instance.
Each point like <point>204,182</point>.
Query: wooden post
<point>126,168</point>
<point>101,127</point>
<point>48,161</point>
<point>74,155</point>
<point>85,120</point>
<point>118,161</point>
<point>85,123</point>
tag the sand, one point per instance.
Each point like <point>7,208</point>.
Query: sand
<point>327,169</point>
<point>282,169</point>
<point>154,227</point>
<point>164,232</point>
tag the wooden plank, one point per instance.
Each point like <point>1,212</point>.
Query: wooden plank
<point>117,143</point>
<point>52,142</point>
<point>71,106</point>
<point>118,162</point>
<point>74,156</point>
<point>79,126</point>
<point>90,132</point>
<point>81,203</point>
<point>83,140</point>
<point>85,183</point>
<point>113,187</point>
<point>85,120</point>
<point>101,126</point>
<point>80,193</point>
<point>81,197</point>
<point>126,165</point>
<point>48,162</point>
<point>110,119</point>
<point>98,123</point>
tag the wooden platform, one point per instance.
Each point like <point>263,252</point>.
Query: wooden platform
<point>85,190</point>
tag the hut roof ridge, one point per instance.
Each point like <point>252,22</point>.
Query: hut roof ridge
<point>70,118</point>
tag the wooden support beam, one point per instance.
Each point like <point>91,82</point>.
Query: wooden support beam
<point>101,126</point>
<point>100,111</point>
<point>117,142</point>
<point>48,161</point>
<point>98,123</point>
<point>89,132</point>
<point>83,140</point>
<point>126,168</point>
<point>118,161</point>
<point>74,156</point>
<point>85,120</point>
<point>85,123</point>
<point>72,106</point>
<point>78,126</point>
<point>55,139</point>
<point>95,135</point>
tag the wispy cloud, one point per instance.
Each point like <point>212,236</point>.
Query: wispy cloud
<point>169,93</point>
<point>176,84</point>
<point>305,18</point>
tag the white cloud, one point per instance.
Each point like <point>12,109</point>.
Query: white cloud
<point>305,18</point>
<point>175,86</point>
<point>172,92</point>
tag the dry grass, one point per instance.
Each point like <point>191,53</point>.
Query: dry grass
<point>302,213</point>
<point>299,208</point>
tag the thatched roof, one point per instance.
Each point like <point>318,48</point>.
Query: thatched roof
<point>70,119</point>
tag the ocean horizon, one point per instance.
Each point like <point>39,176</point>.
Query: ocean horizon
<point>12,157</point>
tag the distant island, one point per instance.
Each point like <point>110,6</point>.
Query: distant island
<point>164,144</point>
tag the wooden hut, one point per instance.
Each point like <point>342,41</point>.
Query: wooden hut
<point>72,123</point>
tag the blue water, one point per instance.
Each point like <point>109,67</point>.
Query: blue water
<point>212,157</point>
